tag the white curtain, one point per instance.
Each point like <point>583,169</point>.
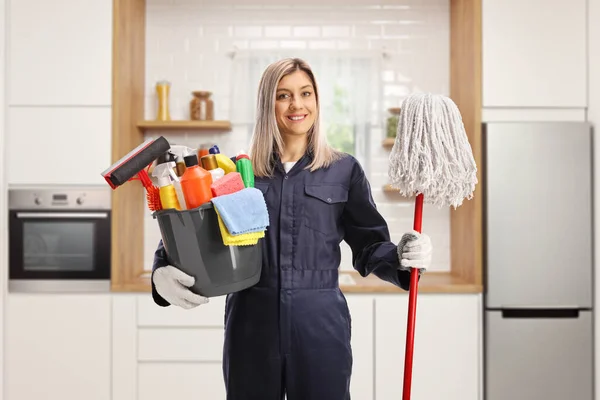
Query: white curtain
<point>349,92</point>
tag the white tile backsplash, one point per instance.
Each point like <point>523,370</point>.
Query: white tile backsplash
<point>278,31</point>
<point>188,42</point>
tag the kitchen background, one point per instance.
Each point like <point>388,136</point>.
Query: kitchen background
<point>366,56</point>
<point>540,63</point>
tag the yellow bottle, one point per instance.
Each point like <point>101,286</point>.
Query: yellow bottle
<point>168,194</point>
<point>225,163</point>
<point>162,92</point>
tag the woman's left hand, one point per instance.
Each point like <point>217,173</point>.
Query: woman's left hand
<point>414,251</point>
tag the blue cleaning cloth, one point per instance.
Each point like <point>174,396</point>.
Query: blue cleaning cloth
<point>244,211</point>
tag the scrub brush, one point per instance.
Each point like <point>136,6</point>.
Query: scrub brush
<point>152,192</point>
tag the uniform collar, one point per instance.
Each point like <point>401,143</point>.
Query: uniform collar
<point>305,160</point>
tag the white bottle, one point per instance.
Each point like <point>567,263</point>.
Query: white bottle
<point>209,163</point>
<point>216,173</point>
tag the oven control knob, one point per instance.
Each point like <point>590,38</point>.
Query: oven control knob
<point>37,201</point>
<point>79,200</point>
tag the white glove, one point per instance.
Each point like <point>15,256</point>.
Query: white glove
<point>173,285</point>
<point>414,251</point>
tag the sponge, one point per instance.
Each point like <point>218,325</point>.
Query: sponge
<point>230,183</point>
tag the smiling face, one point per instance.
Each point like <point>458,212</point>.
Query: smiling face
<point>295,104</point>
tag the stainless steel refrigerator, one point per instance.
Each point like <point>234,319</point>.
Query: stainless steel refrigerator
<point>538,224</point>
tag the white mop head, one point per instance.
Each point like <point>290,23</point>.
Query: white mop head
<point>431,153</point>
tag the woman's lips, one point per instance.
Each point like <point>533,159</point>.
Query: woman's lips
<point>296,118</point>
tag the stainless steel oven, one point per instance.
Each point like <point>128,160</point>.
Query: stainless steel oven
<point>59,239</point>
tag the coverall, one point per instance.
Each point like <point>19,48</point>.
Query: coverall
<point>290,333</point>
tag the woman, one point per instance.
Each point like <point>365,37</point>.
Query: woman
<point>291,332</point>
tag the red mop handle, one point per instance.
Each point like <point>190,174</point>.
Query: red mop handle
<point>412,307</point>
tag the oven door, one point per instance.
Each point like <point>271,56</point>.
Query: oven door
<point>53,245</point>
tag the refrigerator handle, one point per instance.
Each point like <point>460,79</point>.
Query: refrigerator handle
<point>553,313</point>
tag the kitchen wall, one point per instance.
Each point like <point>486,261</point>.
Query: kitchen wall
<point>190,44</point>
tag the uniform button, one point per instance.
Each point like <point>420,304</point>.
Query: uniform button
<point>329,199</point>
<point>286,177</point>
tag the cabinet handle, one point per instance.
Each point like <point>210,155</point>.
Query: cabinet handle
<point>541,313</point>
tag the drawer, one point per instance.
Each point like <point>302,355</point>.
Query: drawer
<point>180,344</point>
<point>206,315</point>
<point>180,381</point>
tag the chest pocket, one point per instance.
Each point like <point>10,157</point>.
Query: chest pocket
<point>263,187</point>
<point>323,206</point>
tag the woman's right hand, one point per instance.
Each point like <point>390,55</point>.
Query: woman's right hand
<point>173,285</point>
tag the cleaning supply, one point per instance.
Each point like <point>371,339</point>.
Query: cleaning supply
<point>180,152</point>
<point>168,195</point>
<point>244,167</point>
<point>432,159</point>
<point>244,211</point>
<point>223,161</point>
<point>209,163</point>
<point>230,183</point>
<point>203,150</point>
<point>180,166</point>
<point>177,185</point>
<point>195,183</point>
<point>244,239</point>
<point>135,163</point>
<point>164,158</point>
<point>179,191</point>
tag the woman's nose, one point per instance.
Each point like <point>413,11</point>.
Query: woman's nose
<point>296,103</point>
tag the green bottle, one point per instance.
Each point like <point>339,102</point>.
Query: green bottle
<point>244,167</point>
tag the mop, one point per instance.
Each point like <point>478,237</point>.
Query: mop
<point>431,159</point>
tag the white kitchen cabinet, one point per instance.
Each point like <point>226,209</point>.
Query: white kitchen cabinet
<point>160,381</point>
<point>534,53</point>
<point>58,145</point>
<point>446,361</point>
<point>59,52</point>
<point>58,347</point>
<point>180,351</point>
<point>362,310</point>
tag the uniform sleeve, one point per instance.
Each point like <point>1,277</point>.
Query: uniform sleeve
<point>367,234</point>
<point>160,260</point>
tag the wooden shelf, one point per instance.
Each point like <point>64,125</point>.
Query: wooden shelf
<point>390,189</point>
<point>185,125</point>
<point>395,193</point>
<point>388,143</point>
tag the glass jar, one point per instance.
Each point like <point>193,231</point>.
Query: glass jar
<point>201,106</point>
<point>392,122</point>
<point>162,92</point>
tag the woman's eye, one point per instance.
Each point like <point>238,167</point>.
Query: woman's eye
<point>306,94</point>
<point>282,96</point>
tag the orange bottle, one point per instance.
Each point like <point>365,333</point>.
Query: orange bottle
<point>195,183</point>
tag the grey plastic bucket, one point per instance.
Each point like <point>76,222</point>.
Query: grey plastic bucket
<point>194,244</point>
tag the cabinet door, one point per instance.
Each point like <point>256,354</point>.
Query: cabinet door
<point>446,361</point>
<point>361,311</point>
<point>58,145</point>
<point>60,52</point>
<point>160,381</point>
<point>534,53</point>
<point>58,347</point>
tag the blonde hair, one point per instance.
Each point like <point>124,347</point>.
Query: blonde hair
<point>267,139</point>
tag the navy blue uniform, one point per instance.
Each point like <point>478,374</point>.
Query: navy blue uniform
<point>290,333</point>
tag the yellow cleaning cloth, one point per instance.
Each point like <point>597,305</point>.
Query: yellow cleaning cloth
<point>244,239</point>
